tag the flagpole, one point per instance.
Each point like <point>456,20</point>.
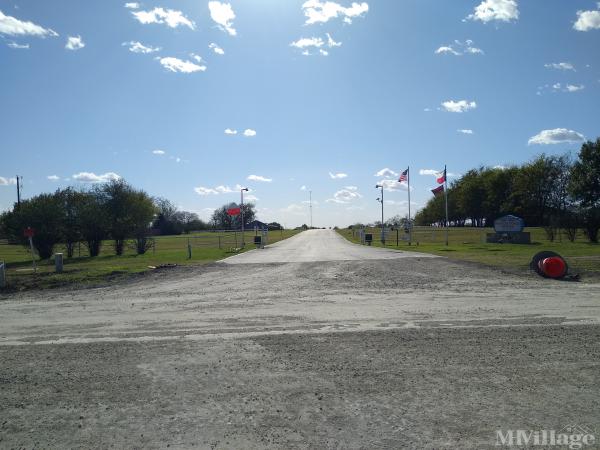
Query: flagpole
<point>409,222</point>
<point>446,195</point>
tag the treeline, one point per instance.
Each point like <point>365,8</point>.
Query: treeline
<point>553,192</point>
<point>114,210</point>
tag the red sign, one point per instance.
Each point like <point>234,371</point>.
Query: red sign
<point>28,232</point>
<point>234,211</point>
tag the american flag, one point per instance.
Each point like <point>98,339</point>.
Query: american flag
<point>403,176</point>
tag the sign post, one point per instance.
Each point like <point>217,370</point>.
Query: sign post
<point>29,233</point>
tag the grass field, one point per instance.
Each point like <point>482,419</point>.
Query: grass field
<point>83,270</point>
<point>468,244</point>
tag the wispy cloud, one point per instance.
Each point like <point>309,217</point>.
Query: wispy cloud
<point>7,181</point>
<point>316,43</point>
<point>230,132</point>
<point>459,48</point>
<point>465,131</point>
<point>249,132</point>
<point>346,195</point>
<point>18,46</point>
<point>556,136</point>
<point>458,106</point>
<point>12,26</point>
<point>337,176</point>
<point>91,177</point>
<point>74,43</point>
<point>138,47</point>
<point>317,11</point>
<point>158,152</point>
<point>495,10</point>
<point>215,48</point>
<point>560,66</point>
<point>223,15</point>
<point>132,5</point>
<point>172,18</point>
<point>53,177</point>
<point>178,65</point>
<point>259,178</point>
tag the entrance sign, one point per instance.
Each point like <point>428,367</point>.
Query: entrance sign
<point>234,211</point>
<point>509,224</point>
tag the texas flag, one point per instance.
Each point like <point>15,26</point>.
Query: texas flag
<point>441,177</point>
<point>438,190</point>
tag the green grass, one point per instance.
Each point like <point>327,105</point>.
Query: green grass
<point>87,271</point>
<point>468,244</point>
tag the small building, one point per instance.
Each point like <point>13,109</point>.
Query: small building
<point>256,225</point>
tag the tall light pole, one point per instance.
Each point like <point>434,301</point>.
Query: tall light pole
<point>242,213</point>
<point>310,207</point>
<point>377,186</point>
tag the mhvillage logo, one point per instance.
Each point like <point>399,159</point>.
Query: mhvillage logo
<point>572,436</point>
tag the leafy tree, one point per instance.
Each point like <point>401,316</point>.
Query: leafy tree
<point>223,221</point>
<point>274,226</point>
<point>43,213</point>
<point>168,220</point>
<point>585,187</point>
<point>93,221</point>
<point>70,206</point>
<point>129,212</point>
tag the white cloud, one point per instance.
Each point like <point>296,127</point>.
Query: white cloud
<point>230,131</point>
<point>501,10</point>
<point>574,87</point>
<point>226,189</point>
<point>331,43</point>
<point>200,190</point>
<point>215,48</point>
<point>132,5</point>
<point>177,65</point>
<point>386,173</point>
<point>317,11</point>
<point>459,48</point>
<point>428,172</point>
<point>465,131</point>
<point>587,20</point>
<point>337,176</point>
<point>138,47</point>
<point>158,152</point>
<point>7,181</point>
<point>14,27</point>
<point>259,178</point>
<point>53,177</point>
<point>393,185</point>
<point>458,107</point>
<point>91,177</point>
<point>345,195</point>
<point>556,136</point>
<point>16,45</point>
<point>74,43</point>
<point>223,15</point>
<point>303,188</point>
<point>172,18</point>
<point>249,132</point>
<point>560,66</point>
<point>308,42</point>
<point>251,198</point>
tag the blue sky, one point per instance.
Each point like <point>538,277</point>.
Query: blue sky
<point>93,90</point>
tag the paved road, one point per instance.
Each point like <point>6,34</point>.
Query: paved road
<point>356,348</point>
<point>317,246</point>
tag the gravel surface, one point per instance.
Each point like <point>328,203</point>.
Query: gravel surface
<point>351,351</point>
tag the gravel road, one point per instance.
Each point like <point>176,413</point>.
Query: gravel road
<point>313,342</point>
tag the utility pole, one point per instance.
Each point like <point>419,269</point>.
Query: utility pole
<point>310,207</point>
<point>19,191</point>
<point>377,186</point>
<point>242,213</point>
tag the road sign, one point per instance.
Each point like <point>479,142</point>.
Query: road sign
<point>29,232</point>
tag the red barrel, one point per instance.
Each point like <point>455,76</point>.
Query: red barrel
<point>553,267</point>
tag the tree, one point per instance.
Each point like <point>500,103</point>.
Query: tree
<point>223,221</point>
<point>129,213</point>
<point>274,226</point>
<point>585,187</point>
<point>70,205</point>
<point>167,220</point>
<point>93,221</point>
<point>43,213</point>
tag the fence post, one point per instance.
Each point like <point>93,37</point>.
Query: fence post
<point>58,262</point>
<point>219,242</point>
<point>2,275</point>
<point>189,249</point>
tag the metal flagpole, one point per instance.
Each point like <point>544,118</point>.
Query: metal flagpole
<point>446,195</point>
<point>409,221</point>
<point>310,207</point>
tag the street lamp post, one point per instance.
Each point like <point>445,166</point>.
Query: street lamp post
<point>310,207</point>
<point>242,214</point>
<point>377,186</point>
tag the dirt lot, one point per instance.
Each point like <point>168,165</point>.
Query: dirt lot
<point>351,352</point>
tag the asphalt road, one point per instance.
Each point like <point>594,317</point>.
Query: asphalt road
<point>355,347</point>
